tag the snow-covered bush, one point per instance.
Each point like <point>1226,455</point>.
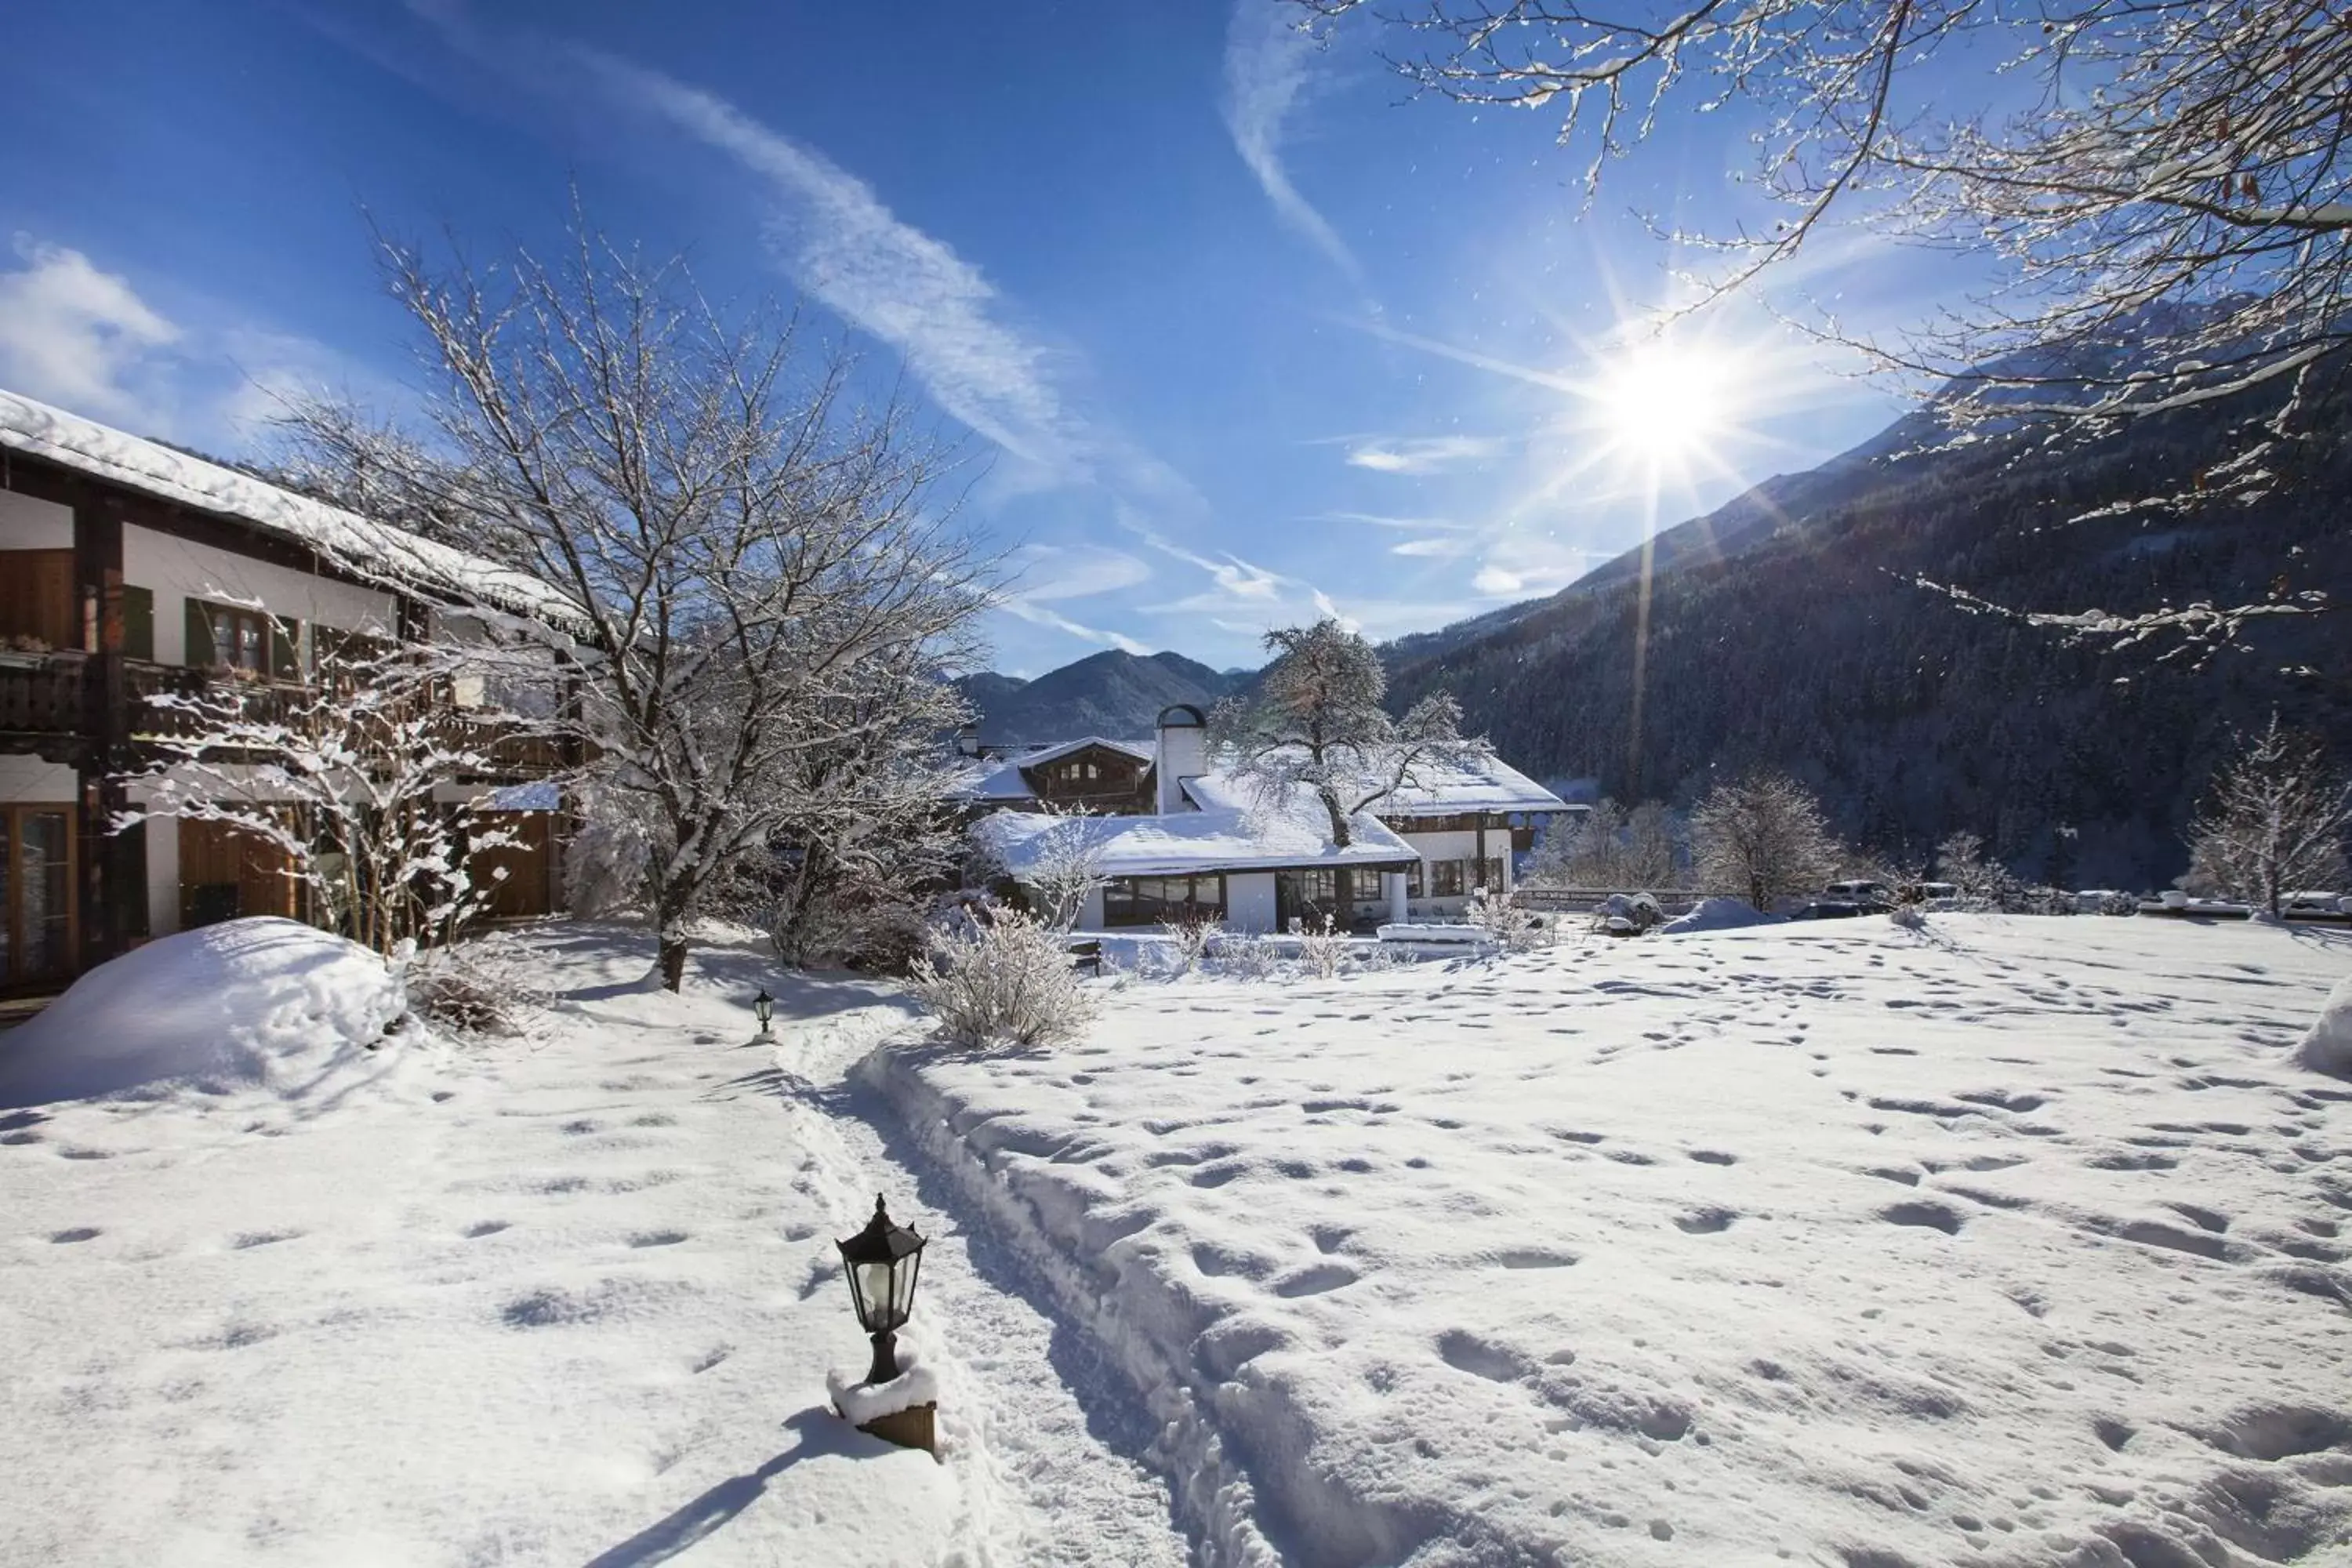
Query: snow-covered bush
<point>1245,957</point>
<point>1511,927</point>
<point>1910,916</point>
<point>1004,978</point>
<point>1190,941</point>
<point>1320,952</point>
<point>487,986</point>
<point>1635,912</point>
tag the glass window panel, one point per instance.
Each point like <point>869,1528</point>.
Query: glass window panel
<point>8,896</point>
<point>874,1291</point>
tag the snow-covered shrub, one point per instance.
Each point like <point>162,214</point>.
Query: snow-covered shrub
<point>1245,957</point>
<point>482,988</point>
<point>1910,916</point>
<point>1512,928</point>
<point>1623,912</point>
<point>1320,952</point>
<point>1005,978</point>
<point>1190,940</point>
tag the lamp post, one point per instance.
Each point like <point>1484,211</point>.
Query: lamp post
<point>882,1262</point>
<point>763,1008</point>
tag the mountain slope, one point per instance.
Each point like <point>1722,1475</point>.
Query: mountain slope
<point>1783,630</point>
<point>1112,694</point>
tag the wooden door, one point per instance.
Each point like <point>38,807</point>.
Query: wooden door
<point>523,891</point>
<point>40,918</point>
<point>227,872</point>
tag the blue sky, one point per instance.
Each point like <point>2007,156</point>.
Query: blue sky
<point>1233,332</point>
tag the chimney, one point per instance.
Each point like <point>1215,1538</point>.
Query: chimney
<point>967,741</point>
<point>1183,753</point>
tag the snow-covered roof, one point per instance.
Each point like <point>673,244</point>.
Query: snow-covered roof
<point>361,544</point>
<point>1000,778</point>
<point>1486,784</point>
<point>1225,838</point>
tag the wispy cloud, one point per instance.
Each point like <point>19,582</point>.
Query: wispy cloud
<point>1403,524</point>
<point>1039,615</point>
<point>1266,56</point>
<point>1443,547</point>
<point>1423,454</point>
<point>887,277</point>
<point>82,338</point>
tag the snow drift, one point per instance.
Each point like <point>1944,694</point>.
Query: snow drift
<point>265,1003</point>
<point>2328,1047</point>
<point>1718,914</point>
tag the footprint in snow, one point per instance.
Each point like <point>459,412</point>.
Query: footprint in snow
<point>78,1233</point>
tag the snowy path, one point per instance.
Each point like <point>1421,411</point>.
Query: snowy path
<point>564,1302</point>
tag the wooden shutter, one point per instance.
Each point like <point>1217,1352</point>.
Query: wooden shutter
<point>138,622</point>
<point>198,653</point>
<point>285,648</point>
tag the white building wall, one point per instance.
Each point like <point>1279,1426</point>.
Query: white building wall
<point>1249,900</point>
<point>27,522</point>
<point>162,875</point>
<point>177,570</point>
<point>28,781</point>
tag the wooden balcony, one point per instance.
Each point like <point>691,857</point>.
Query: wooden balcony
<point>52,703</point>
<point>41,694</point>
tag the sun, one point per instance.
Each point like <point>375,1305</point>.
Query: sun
<point>1664,403</point>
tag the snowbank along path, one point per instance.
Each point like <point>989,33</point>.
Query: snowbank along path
<point>566,1301</point>
<point>2008,1242</point>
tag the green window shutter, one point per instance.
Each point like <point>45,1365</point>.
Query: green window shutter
<point>285,648</point>
<point>138,622</point>
<point>198,653</point>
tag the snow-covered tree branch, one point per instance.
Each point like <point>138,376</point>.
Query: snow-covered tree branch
<point>348,779</point>
<point>765,570</point>
<point>2165,189</point>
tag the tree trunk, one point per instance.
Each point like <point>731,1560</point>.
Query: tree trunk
<point>1341,829</point>
<point>669,927</point>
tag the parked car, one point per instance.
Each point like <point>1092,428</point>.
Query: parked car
<point>1939,892</point>
<point>2311,903</point>
<point>1832,910</point>
<point>1863,891</point>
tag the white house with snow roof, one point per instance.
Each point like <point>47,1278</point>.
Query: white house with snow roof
<point>1175,838</point>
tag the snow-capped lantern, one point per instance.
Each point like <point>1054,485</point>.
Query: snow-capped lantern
<point>763,1008</point>
<point>882,1262</point>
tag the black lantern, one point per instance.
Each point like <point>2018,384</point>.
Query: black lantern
<point>882,1262</point>
<point>763,1008</point>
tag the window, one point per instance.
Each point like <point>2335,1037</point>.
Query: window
<point>1412,882</point>
<point>1152,901</point>
<point>230,637</point>
<point>1446,879</point>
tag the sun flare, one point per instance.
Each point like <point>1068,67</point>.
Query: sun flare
<point>1664,402</point>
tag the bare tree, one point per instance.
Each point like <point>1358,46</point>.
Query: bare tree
<point>1612,846</point>
<point>1978,880</point>
<point>2276,821</point>
<point>866,835</point>
<point>754,557</point>
<point>1317,721</point>
<point>1761,838</point>
<point>348,778</point>
<point>1065,867</point>
<point>2164,184</point>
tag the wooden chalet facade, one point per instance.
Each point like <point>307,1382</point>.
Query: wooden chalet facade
<point>115,585</point>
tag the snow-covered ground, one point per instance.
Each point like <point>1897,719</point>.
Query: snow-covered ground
<point>570,1299</point>
<point>2007,1241</point>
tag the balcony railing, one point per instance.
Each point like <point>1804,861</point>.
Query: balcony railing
<point>48,695</point>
